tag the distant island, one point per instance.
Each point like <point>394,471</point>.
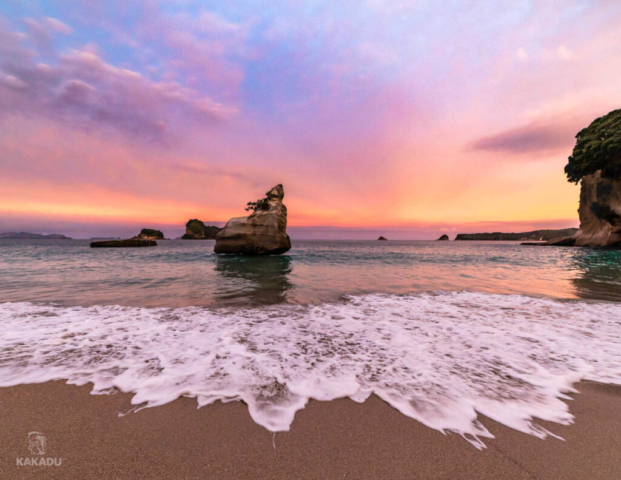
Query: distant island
<point>382,238</point>
<point>149,234</point>
<point>196,230</point>
<point>105,238</point>
<point>443,238</point>
<point>32,236</point>
<point>537,235</point>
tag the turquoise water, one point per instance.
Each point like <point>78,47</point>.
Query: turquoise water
<point>186,273</point>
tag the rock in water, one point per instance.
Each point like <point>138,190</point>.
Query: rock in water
<point>443,238</point>
<point>264,232</point>
<point>131,243</point>
<point>197,230</point>
<point>149,234</point>
<point>600,212</point>
<point>382,239</point>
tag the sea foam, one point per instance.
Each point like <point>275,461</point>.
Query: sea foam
<point>440,358</point>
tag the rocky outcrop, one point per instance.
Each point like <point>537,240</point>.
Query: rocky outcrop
<point>149,234</point>
<point>382,238</point>
<point>197,230</point>
<point>443,238</point>
<point>264,232</point>
<point>600,212</point>
<point>124,243</point>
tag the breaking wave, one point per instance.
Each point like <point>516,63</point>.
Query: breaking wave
<point>440,358</point>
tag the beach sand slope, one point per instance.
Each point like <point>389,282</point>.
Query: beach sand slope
<point>338,439</point>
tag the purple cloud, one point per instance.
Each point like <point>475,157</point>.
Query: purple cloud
<point>79,87</point>
<point>542,136</point>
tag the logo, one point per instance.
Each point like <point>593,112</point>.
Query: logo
<point>37,444</point>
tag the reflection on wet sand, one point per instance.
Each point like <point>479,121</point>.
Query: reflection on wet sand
<point>598,274</point>
<point>253,280</point>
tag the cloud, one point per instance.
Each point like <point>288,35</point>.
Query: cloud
<point>80,88</point>
<point>540,136</point>
<point>12,82</point>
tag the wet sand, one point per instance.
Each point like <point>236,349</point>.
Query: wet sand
<point>339,439</point>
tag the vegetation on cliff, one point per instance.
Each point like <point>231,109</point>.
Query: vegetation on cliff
<point>598,147</point>
<point>260,204</point>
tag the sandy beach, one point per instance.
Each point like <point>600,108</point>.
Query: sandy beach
<point>338,439</point>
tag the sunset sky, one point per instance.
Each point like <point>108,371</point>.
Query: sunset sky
<point>407,117</point>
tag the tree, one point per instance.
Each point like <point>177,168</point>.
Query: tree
<point>260,204</point>
<point>598,147</point>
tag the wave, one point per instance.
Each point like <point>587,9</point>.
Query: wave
<point>440,358</point>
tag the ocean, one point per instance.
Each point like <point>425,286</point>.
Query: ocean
<point>442,331</point>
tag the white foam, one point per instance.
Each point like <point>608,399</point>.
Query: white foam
<point>438,358</point>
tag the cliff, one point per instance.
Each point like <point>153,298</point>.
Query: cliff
<point>599,211</point>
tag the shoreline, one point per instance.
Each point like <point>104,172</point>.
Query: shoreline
<point>337,439</point>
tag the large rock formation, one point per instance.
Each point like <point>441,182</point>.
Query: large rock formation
<point>600,212</point>
<point>197,230</point>
<point>264,232</point>
<point>443,238</point>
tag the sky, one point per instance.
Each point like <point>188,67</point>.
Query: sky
<point>407,118</point>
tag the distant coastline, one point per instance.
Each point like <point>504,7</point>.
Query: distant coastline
<point>32,236</point>
<point>537,235</point>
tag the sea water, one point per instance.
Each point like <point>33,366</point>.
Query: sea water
<point>442,331</point>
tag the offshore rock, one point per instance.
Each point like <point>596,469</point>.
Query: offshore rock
<point>443,238</point>
<point>197,230</point>
<point>264,232</point>
<point>124,243</point>
<point>149,234</point>
<point>600,212</point>
<point>382,238</point>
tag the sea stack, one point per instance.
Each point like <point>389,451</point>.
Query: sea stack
<point>443,238</point>
<point>264,232</point>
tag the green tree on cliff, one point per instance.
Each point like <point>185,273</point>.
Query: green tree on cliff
<point>260,204</point>
<point>598,147</point>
